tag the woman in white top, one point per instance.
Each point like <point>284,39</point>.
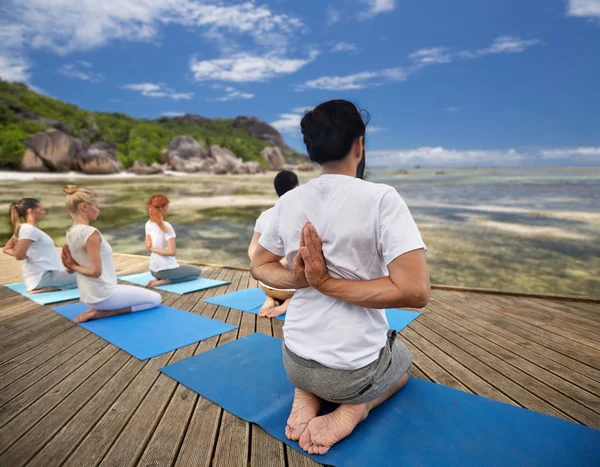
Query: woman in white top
<point>90,256</point>
<point>277,300</point>
<point>160,242</point>
<point>355,250</point>
<point>41,266</point>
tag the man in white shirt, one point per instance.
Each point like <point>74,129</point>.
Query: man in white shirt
<point>277,300</point>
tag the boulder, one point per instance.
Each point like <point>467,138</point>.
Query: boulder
<point>100,158</point>
<point>250,168</point>
<point>57,151</point>
<point>141,168</point>
<point>26,115</point>
<point>274,157</point>
<point>263,131</point>
<point>224,158</point>
<point>32,163</point>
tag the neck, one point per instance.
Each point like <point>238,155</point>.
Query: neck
<point>78,219</point>
<point>339,168</point>
<point>31,222</point>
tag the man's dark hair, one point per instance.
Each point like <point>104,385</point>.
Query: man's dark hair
<point>285,181</point>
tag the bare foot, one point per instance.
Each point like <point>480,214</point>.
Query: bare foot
<point>43,290</point>
<point>323,432</point>
<point>88,316</point>
<point>278,310</point>
<point>266,308</point>
<point>304,409</point>
<point>156,282</point>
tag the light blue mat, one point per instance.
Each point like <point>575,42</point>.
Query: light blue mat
<point>180,288</point>
<point>146,334</point>
<point>425,424</point>
<point>250,301</point>
<point>46,297</point>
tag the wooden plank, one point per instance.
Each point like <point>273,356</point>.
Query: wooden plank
<point>17,370</point>
<point>566,380</point>
<point>568,347</point>
<point>462,350</point>
<point>31,386</point>
<point>102,435</point>
<point>131,442</point>
<point>18,337</point>
<point>524,340</point>
<point>564,311</point>
<point>68,435</point>
<point>163,447</point>
<point>29,444</point>
<point>519,370</point>
<point>200,437</point>
<point>25,419</point>
<point>42,336</point>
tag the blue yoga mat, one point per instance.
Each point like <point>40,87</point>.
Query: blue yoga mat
<point>425,424</point>
<point>179,288</point>
<point>46,297</point>
<point>146,334</point>
<point>250,300</point>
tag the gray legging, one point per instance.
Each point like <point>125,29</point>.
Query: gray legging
<point>183,273</point>
<point>60,279</point>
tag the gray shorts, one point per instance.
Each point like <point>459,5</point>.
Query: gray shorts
<point>350,386</point>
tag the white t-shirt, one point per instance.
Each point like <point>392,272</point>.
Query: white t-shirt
<point>159,240</point>
<point>41,255</point>
<point>264,220</point>
<point>91,289</point>
<point>364,227</point>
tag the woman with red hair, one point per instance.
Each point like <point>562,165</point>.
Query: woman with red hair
<point>160,242</point>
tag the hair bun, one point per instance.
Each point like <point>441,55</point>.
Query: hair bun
<point>70,189</point>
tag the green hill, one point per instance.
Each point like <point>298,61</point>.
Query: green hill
<point>24,113</point>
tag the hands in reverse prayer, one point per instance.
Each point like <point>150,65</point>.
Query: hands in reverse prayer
<point>309,267</point>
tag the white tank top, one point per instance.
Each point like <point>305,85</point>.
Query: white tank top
<point>91,289</point>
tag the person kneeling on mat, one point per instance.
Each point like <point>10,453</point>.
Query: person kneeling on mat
<point>90,256</point>
<point>41,267</point>
<point>277,300</point>
<point>354,250</point>
<point>160,242</point>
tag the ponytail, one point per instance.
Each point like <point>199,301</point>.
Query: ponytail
<point>18,210</point>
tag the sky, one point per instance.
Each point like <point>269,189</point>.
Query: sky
<point>457,83</point>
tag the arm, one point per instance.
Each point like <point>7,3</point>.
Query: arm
<point>253,245</point>
<point>266,267</point>
<point>17,248</point>
<point>93,250</point>
<point>406,286</point>
<point>170,251</point>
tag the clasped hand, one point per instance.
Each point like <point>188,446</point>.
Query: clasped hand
<point>309,267</point>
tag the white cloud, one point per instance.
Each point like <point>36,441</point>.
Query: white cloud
<point>442,157</point>
<point>173,114</point>
<point>344,47</point>
<point>14,66</point>
<point>588,152</point>
<point>584,8</point>
<point>83,72</point>
<point>375,7</point>
<point>157,90</point>
<point>355,81</point>
<point>64,26</point>
<point>232,94</point>
<point>288,122</point>
<point>500,45</point>
<point>509,44</point>
<point>451,109</point>
<point>333,15</point>
<point>374,129</point>
<point>431,56</point>
<point>247,68</point>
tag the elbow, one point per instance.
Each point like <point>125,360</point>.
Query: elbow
<point>254,270</point>
<point>96,273</point>
<point>420,297</point>
<point>20,257</point>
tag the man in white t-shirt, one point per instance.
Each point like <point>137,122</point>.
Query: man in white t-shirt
<point>277,301</point>
<point>354,250</point>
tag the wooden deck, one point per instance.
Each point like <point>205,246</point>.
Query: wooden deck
<point>70,398</point>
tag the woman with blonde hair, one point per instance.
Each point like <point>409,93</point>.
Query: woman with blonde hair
<point>160,242</point>
<point>90,256</point>
<point>41,267</point>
